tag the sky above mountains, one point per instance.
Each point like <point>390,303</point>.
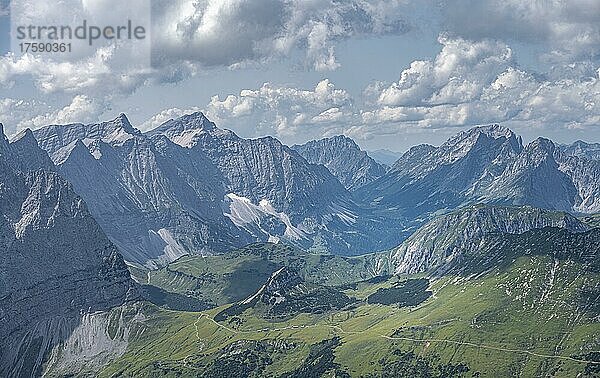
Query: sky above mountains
<point>389,74</point>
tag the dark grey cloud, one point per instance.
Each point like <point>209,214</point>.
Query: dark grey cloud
<point>569,29</point>
<point>238,32</point>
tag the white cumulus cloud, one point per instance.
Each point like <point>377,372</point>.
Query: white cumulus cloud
<point>287,112</point>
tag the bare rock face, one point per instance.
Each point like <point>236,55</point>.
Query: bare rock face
<point>258,169</point>
<point>344,159</point>
<point>189,187</point>
<point>427,178</point>
<point>544,176</point>
<point>56,262</point>
<point>274,193</point>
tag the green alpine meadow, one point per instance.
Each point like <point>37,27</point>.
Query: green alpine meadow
<point>516,305</point>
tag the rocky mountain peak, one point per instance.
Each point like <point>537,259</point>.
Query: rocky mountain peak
<point>485,140</point>
<point>538,150</point>
<point>55,137</point>
<point>78,148</point>
<point>541,144</point>
<point>459,145</point>
<point>27,154</point>
<point>122,122</point>
<point>56,265</point>
<point>185,129</point>
<point>26,134</point>
<point>344,159</point>
<point>342,140</point>
<point>582,149</point>
<point>116,131</point>
<point>494,131</point>
<point>197,120</point>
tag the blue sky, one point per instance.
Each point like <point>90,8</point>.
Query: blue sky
<point>390,74</point>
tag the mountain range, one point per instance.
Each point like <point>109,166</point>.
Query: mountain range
<point>115,239</point>
<point>190,187</point>
<point>582,149</point>
<point>487,164</point>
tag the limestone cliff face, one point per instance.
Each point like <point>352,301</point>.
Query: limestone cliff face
<point>274,193</point>
<point>55,262</point>
<point>259,169</point>
<point>155,200</point>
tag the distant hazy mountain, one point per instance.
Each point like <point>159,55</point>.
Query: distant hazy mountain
<point>344,159</point>
<point>385,157</point>
<point>486,164</point>
<point>582,149</point>
<point>56,263</point>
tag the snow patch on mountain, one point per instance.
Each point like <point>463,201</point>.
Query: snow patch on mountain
<point>344,214</point>
<point>171,248</point>
<point>186,139</point>
<point>243,213</point>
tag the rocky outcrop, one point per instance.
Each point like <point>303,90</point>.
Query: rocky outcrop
<point>190,187</point>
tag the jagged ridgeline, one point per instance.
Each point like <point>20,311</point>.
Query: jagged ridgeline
<point>188,187</point>
<point>251,258</point>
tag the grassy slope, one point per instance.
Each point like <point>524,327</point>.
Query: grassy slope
<point>533,304</point>
<point>234,276</point>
